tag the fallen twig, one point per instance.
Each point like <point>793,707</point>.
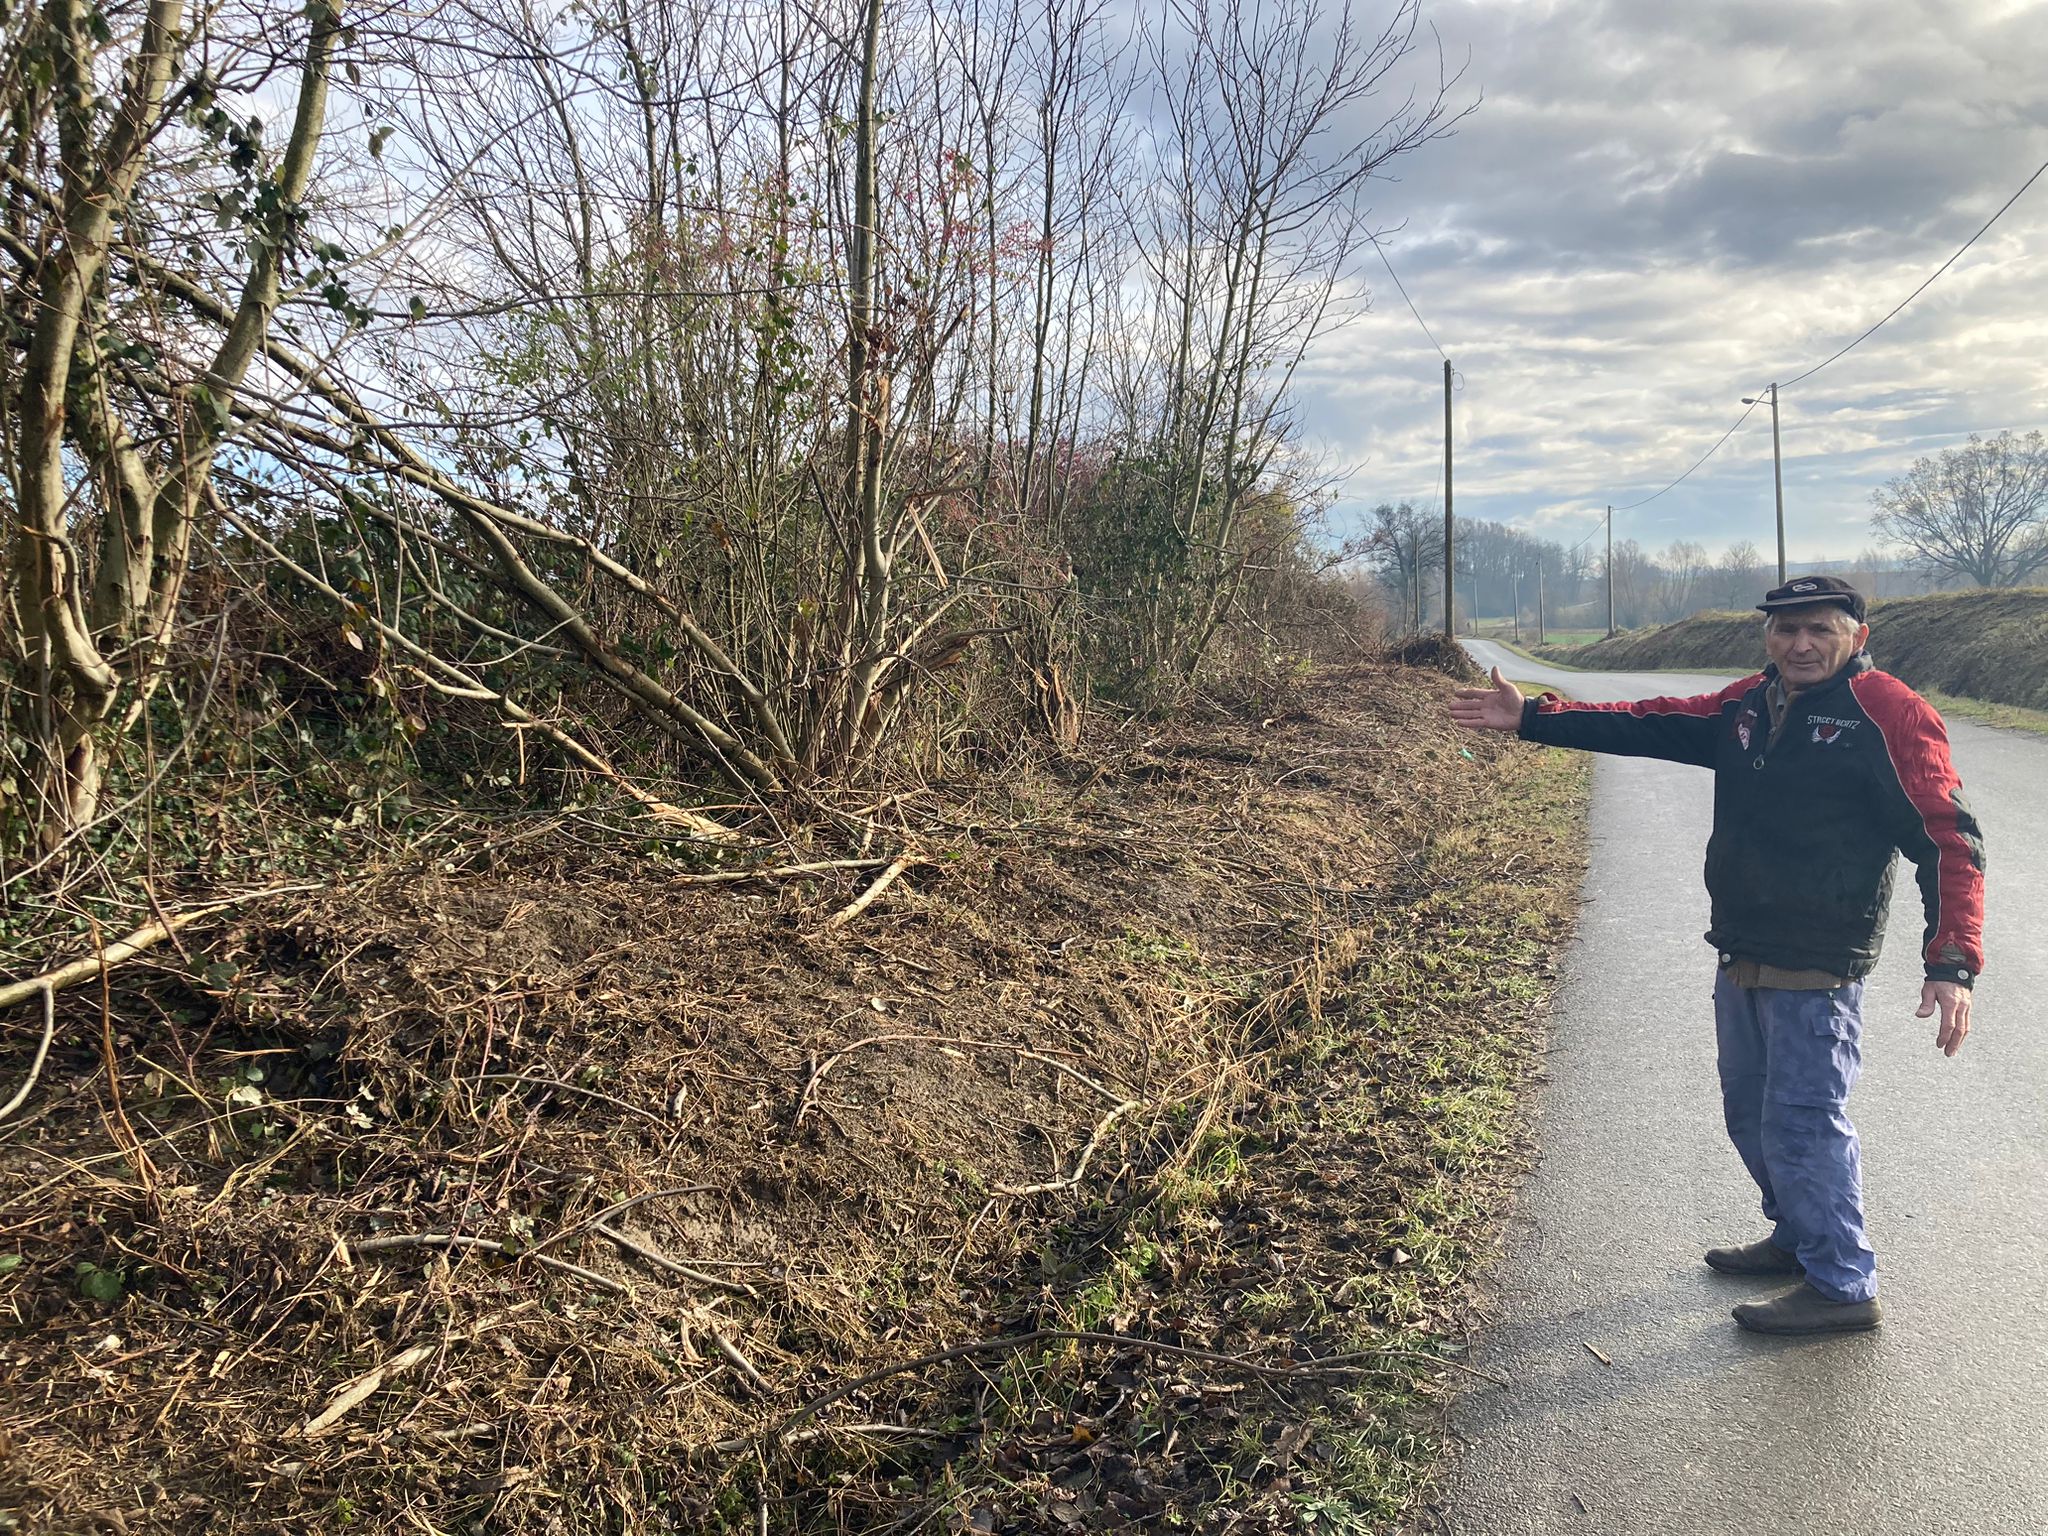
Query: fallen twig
<point>1052,1186</point>
<point>865,899</point>
<point>353,1393</point>
<point>615,1209</point>
<point>487,1245</point>
<point>661,1260</point>
<point>148,935</point>
<point>35,1068</point>
<point>903,1431</point>
<point>738,1361</point>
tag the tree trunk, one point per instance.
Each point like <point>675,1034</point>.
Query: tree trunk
<point>75,684</point>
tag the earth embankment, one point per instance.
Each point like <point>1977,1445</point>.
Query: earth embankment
<point>1988,645</point>
<point>1118,1166</point>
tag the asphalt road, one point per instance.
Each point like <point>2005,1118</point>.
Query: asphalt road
<point>1938,1421</point>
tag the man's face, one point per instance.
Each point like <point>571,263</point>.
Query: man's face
<point>1813,643</point>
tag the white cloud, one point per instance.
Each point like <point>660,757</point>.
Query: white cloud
<point>1654,211</point>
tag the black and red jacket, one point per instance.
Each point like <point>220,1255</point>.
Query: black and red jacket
<point>1806,821</point>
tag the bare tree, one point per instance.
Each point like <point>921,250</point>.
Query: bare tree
<point>1683,566</point>
<point>122,407</point>
<point>1406,548</point>
<point>759,361</point>
<point>1739,576</point>
<point>1635,576</point>
<point>1976,513</point>
<point>1268,126</point>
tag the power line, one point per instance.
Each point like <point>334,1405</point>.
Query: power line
<point>1843,352</point>
<point>1589,538</point>
<point>1834,357</point>
<point>1909,298</point>
<point>1440,352</point>
<point>1696,464</point>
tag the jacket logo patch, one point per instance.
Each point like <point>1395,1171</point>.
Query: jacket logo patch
<point>1745,727</point>
<point>1826,733</point>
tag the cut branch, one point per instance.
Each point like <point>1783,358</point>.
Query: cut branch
<point>468,686</point>
<point>148,936</point>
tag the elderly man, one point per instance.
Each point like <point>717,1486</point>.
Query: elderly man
<point>1823,766</point>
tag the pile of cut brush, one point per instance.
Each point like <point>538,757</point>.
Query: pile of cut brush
<point>1038,1154</point>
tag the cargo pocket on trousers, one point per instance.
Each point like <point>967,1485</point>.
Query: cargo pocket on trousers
<point>1817,1059</point>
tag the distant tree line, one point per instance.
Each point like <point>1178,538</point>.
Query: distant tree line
<point>1972,515</point>
<point>1499,566</point>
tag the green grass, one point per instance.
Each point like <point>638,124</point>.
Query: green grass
<point>1483,962</point>
<point>2007,717</point>
<point>1504,632</point>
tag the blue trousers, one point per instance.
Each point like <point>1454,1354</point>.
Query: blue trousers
<point>1788,1060</point>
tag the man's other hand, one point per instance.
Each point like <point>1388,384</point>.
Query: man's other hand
<point>1498,708</point>
<point>1954,1003</point>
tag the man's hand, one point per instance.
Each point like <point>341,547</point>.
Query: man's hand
<point>1954,1003</point>
<point>1498,708</point>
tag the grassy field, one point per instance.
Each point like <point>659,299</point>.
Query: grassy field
<point>1503,630</point>
<point>1981,648</point>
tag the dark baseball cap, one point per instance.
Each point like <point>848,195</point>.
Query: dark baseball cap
<point>1802,590</point>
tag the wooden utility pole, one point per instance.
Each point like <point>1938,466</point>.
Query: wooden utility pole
<point>1778,483</point>
<point>1610,570</point>
<point>1539,602</point>
<point>1518,607</point>
<point>1450,590</point>
<point>1777,473</point>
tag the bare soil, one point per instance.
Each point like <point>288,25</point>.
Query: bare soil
<point>552,1188</point>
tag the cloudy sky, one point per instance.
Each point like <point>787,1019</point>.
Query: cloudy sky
<point>1657,209</point>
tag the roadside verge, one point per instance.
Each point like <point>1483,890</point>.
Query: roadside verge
<point>1120,1163</point>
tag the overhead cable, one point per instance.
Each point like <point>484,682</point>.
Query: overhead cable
<point>1440,352</point>
<point>1909,298</point>
<point>1589,538</point>
<point>1696,463</point>
<point>1851,346</point>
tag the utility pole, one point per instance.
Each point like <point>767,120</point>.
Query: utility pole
<point>1416,566</point>
<point>1610,570</point>
<point>1518,607</point>
<point>1450,589</point>
<point>1777,474</point>
<point>1778,482</point>
<point>1539,602</point>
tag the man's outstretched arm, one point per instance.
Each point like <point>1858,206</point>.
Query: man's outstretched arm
<point>1680,730</point>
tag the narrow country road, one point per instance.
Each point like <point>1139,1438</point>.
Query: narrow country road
<point>1935,1423</point>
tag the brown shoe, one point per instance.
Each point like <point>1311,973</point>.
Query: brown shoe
<point>1762,1257</point>
<point>1805,1310</point>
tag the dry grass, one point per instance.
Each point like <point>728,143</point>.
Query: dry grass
<point>539,1189</point>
